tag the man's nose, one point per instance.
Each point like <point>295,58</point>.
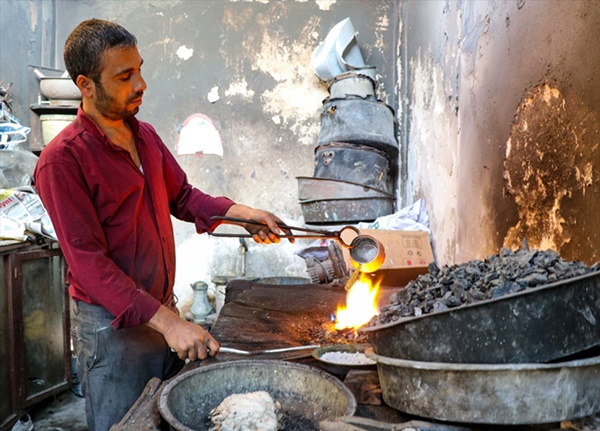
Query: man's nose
<point>140,84</point>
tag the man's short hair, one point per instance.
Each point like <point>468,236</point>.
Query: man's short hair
<point>87,43</point>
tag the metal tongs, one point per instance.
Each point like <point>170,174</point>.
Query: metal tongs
<point>312,233</point>
<point>366,252</point>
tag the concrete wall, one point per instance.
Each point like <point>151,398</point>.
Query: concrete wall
<point>244,64</point>
<point>502,124</point>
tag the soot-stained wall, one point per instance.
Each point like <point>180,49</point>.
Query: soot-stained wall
<point>502,124</point>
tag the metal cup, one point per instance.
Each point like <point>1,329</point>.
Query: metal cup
<point>367,253</point>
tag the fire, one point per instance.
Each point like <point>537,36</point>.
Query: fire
<point>361,304</point>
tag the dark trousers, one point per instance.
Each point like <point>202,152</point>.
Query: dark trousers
<point>114,366</point>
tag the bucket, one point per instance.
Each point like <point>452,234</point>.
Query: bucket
<point>53,124</point>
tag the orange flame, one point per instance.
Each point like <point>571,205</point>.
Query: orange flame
<point>361,304</point>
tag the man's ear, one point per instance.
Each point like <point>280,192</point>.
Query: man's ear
<point>85,85</point>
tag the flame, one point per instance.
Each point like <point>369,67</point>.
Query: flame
<point>361,304</point>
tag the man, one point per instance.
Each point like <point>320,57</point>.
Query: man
<point>110,186</point>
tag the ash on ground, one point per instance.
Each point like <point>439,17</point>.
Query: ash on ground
<point>478,280</point>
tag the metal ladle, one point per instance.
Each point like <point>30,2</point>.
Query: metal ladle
<point>366,252</point>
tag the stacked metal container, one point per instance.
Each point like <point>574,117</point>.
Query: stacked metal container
<point>356,155</point>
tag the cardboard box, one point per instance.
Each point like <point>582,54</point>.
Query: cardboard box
<point>407,255</point>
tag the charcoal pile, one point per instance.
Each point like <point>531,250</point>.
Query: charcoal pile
<point>478,280</point>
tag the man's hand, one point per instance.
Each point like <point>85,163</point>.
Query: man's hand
<point>267,233</point>
<point>188,340</point>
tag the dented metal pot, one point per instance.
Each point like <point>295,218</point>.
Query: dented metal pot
<point>307,395</point>
<point>359,164</point>
<point>358,120</point>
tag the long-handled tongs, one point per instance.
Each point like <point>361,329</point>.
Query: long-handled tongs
<point>365,250</point>
<point>311,233</point>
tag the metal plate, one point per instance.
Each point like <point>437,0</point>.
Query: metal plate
<point>536,325</point>
<point>508,394</point>
<point>341,369</point>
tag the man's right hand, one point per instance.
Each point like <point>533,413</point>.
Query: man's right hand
<point>188,340</point>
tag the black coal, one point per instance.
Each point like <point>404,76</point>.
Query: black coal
<point>478,280</point>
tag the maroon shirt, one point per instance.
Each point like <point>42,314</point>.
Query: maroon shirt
<point>113,222</point>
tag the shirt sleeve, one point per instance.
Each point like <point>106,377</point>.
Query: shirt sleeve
<point>67,199</point>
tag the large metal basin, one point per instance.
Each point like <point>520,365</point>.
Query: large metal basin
<point>358,164</point>
<point>536,325</point>
<point>336,211</point>
<point>307,394</point>
<point>356,120</point>
<point>310,189</point>
<point>507,394</point>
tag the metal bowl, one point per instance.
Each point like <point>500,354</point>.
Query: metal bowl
<point>307,395</point>
<point>59,88</point>
<point>340,369</point>
<point>505,394</point>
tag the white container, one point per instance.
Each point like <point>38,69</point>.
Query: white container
<point>53,124</point>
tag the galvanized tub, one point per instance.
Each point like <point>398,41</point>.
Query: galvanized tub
<point>536,325</point>
<point>307,394</point>
<point>503,394</point>
<point>335,211</point>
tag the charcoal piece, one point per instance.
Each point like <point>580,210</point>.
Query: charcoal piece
<point>501,290</point>
<point>439,306</point>
<point>533,279</point>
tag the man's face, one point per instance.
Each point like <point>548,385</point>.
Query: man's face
<point>121,87</point>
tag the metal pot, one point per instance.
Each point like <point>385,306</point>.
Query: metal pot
<point>307,395</point>
<point>499,394</point>
<point>358,120</point>
<point>359,164</point>
<point>58,87</point>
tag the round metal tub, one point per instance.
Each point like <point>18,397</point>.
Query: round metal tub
<point>335,211</point>
<point>307,395</point>
<point>356,120</point>
<point>358,164</point>
<point>541,324</point>
<point>506,394</point>
<point>310,188</point>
